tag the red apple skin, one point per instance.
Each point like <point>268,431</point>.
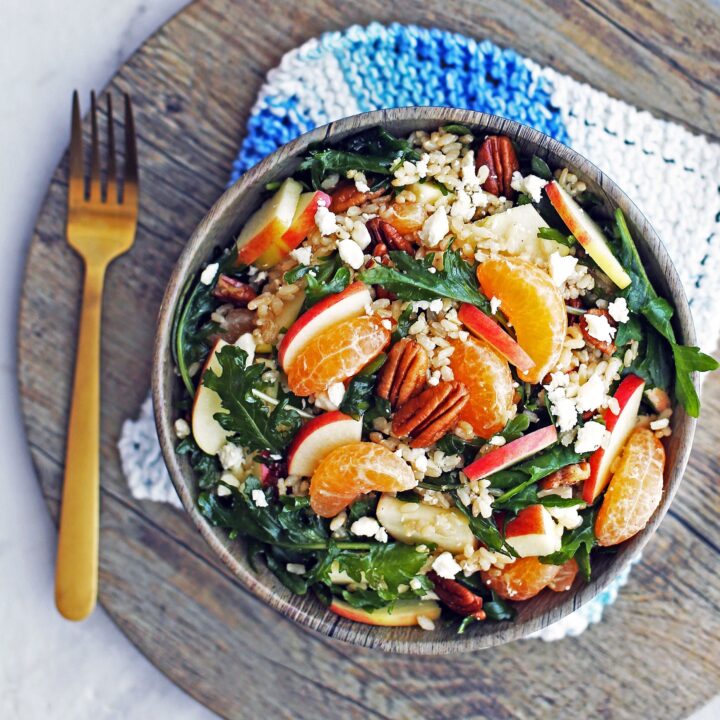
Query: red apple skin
<point>529,521</point>
<point>327,419</point>
<point>512,453</point>
<point>316,310</point>
<point>304,220</point>
<point>488,330</point>
<point>596,483</point>
<point>405,613</point>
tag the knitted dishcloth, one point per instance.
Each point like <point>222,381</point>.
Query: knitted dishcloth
<point>671,174</point>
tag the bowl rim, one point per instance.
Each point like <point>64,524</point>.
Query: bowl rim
<point>311,614</point>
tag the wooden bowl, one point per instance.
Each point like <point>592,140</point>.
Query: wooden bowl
<point>221,225</point>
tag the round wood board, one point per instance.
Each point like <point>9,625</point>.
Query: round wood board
<point>193,85</point>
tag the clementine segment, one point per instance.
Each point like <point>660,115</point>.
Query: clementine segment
<point>565,576</point>
<point>337,354</point>
<point>520,580</point>
<point>635,489</point>
<point>487,377</point>
<point>352,470</point>
<point>534,307</point>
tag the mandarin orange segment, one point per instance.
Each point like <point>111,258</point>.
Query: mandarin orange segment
<point>534,307</point>
<point>565,576</point>
<point>487,377</point>
<point>352,470</point>
<point>520,580</point>
<point>635,489</point>
<point>337,354</point>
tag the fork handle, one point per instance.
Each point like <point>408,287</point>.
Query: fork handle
<point>76,571</point>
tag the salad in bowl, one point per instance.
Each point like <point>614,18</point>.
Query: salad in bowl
<point>429,379</point>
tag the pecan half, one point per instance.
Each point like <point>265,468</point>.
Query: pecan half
<point>457,597</point>
<point>569,475</point>
<point>346,195</point>
<point>498,153</point>
<point>403,374</point>
<point>237,322</point>
<point>233,291</point>
<point>608,348</point>
<point>382,232</point>
<point>426,417</point>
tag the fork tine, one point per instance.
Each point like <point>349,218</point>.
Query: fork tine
<point>130,182</point>
<point>95,188</point>
<point>76,191</point>
<point>112,188</point>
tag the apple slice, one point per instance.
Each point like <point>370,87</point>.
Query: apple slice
<point>512,453</point>
<point>414,523</point>
<point>403,614</point>
<point>629,394</point>
<point>333,309</point>
<point>488,330</point>
<point>533,532</point>
<point>587,232</point>
<point>269,223</point>
<point>318,437</point>
<point>207,431</point>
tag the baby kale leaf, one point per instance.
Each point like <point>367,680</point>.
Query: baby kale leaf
<point>412,279</point>
<point>255,425</point>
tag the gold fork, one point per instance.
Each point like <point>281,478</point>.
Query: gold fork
<point>102,218</point>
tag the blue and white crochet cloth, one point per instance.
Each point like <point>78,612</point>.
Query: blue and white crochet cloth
<point>671,174</point>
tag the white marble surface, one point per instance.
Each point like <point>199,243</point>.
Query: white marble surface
<point>50,668</point>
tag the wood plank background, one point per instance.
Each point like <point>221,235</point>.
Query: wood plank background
<point>193,83</point>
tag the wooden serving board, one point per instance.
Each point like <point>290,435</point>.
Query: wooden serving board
<point>193,84</point>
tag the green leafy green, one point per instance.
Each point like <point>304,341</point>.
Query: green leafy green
<point>456,129</point>
<point>255,425</point>
<point>631,330</point>
<point>360,392</point>
<point>485,530</point>
<point>375,151</point>
<point>548,233</point>
<point>642,298</point>
<point>411,279</point>
<point>516,427</point>
<point>403,324</point>
<point>576,544</point>
<point>206,467</point>
<point>540,168</point>
<point>523,199</point>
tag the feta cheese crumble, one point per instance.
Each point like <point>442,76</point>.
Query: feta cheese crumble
<point>369,527</point>
<point>561,268</point>
<point>258,497</point>
<point>590,437</point>
<point>361,235</point>
<point>531,185</point>
<point>302,255</point>
<point>182,429</point>
<point>351,254</point>
<point>425,622</point>
<point>494,304</point>
<point>446,566</point>
<point>325,221</point>
<point>590,395</point>
<point>336,393</point>
<point>618,310</point>
<point>231,456</point>
<point>295,568</point>
<point>209,273</point>
<point>435,228</point>
<point>599,327</point>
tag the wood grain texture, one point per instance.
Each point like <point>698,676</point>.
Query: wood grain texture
<point>193,85</point>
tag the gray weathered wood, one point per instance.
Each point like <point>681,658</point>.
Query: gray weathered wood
<point>193,85</point>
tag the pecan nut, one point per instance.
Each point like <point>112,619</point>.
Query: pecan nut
<point>608,348</point>
<point>346,195</point>
<point>457,597</point>
<point>426,417</point>
<point>404,372</point>
<point>382,232</point>
<point>233,291</point>
<point>498,153</point>
<point>569,475</point>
